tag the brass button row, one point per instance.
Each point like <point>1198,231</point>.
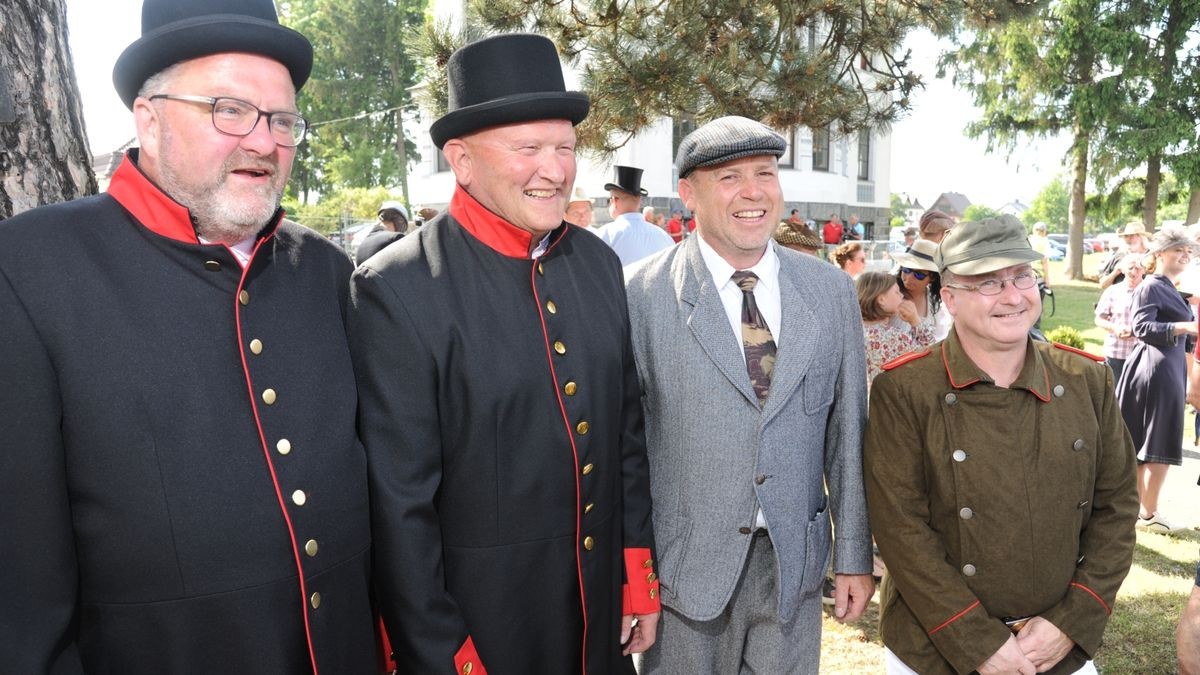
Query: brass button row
<point>582,428</point>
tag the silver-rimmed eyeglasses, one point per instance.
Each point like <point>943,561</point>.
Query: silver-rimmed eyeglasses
<point>238,118</point>
<point>1022,281</point>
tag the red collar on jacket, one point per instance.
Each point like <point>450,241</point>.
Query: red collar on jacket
<point>152,207</point>
<point>497,233</point>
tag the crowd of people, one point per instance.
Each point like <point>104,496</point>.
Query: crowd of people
<point>504,444</point>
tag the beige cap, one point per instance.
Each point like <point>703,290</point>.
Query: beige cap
<point>578,195</point>
<point>919,256</point>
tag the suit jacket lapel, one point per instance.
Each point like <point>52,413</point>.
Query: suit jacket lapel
<point>709,323</point>
<point>799,338</point>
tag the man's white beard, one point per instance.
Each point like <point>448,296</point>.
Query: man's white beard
<point>218,215</point>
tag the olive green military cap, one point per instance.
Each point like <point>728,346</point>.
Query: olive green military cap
<point>985,246</point>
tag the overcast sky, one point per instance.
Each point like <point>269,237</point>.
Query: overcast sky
<point>930,153</point>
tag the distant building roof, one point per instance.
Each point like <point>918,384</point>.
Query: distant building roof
<point>1014,208</point>
<point>952,203</point>
<point>104,165</point>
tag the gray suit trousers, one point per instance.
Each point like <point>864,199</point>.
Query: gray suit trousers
<point>748,637</point>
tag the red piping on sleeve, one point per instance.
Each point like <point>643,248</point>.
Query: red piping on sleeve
<point>574,451</point>
<point>262,437</point>
<point>956,617</point>
<point>1107,609</point>
<point>641,581</point>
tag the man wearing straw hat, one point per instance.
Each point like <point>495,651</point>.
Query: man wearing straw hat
<point>579,210</point>
<point>499,400</point>
<point>1000,480</point>
<point>182,487</point>
<point>1134,237</point>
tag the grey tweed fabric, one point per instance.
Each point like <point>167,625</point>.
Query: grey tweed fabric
<point>724,139</point>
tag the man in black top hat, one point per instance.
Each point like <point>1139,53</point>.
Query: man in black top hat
<point>182,486</point>
<point>629,235</point>
<point>499,403</point>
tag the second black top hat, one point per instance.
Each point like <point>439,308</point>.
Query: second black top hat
<point>628,179</point>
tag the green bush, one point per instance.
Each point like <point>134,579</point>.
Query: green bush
<point>1066,335</point>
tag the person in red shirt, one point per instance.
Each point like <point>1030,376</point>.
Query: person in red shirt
<point>832,232</point>
<point>675,226</point>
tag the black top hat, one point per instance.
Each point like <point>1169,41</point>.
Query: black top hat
<point>628,180</point>
<point>505,79</point>
<point>178,30</point>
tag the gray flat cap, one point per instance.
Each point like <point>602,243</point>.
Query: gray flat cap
<point>724,139</point>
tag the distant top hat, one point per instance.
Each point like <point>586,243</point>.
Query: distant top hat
<point>628,180</point>
<point>178,30</point>
<point>505,79</point>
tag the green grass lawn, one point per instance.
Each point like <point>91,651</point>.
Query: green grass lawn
<point>1140,638</point>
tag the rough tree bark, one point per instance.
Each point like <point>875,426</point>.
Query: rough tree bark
<point>44,155</point>
<point>1193,212</point>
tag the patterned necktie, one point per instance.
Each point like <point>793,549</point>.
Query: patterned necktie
<point>756,338</point>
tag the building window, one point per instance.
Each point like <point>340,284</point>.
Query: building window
<point>680,128</point>
<point>864,154</point>
<point>820,149</point>
<point>785,160</point>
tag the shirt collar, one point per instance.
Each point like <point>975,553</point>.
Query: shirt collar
<point>495,232</point>
<point>766,269</point>
<point>631,217</point>
<point>962,371</point>
<point>152,207</point>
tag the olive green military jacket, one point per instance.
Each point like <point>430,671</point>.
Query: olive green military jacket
<point>990,503</point>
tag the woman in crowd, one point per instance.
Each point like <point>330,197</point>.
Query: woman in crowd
<point>879,298</point>
<point>921,313</point>
<point>1153,381</point>
<point>1113,312</point>
<point>851,257</point>
<point>934,225</point>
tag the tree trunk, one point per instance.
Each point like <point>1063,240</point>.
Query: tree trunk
<point>1077,209</point>
<point>1193,214</point>
<point>44,155</point>
<point>1153,180</point>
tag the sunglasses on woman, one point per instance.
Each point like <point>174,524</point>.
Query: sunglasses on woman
<point>917,274</point>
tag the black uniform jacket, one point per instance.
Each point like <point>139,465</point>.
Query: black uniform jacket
<point>501,413</point>
<point>177,442</point>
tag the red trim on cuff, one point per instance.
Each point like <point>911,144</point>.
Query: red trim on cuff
<point>1107,609</point>
<point>956,617</point>
<point>466,661</point>
<point>641,582</point>
<point>387,660</point>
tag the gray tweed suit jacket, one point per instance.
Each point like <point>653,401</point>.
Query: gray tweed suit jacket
<point>715,455</point>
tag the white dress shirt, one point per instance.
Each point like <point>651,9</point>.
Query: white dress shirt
<point>766,296</point>
<point>632,238</point>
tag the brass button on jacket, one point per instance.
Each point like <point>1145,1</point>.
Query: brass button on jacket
<point>551,307</point>
<point>268,396</point>
<point>244,297</point>
<point>589,543</point>
<point>560,347</point>
<point>587,468</point>
<point>311,547</point>
<point>299,498</point>
<point>570,388</point>
<point>284,446</point>
<point>256,346</point>
<point>315,599</point>
<point>582,427</point>
<point>212,265</point>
